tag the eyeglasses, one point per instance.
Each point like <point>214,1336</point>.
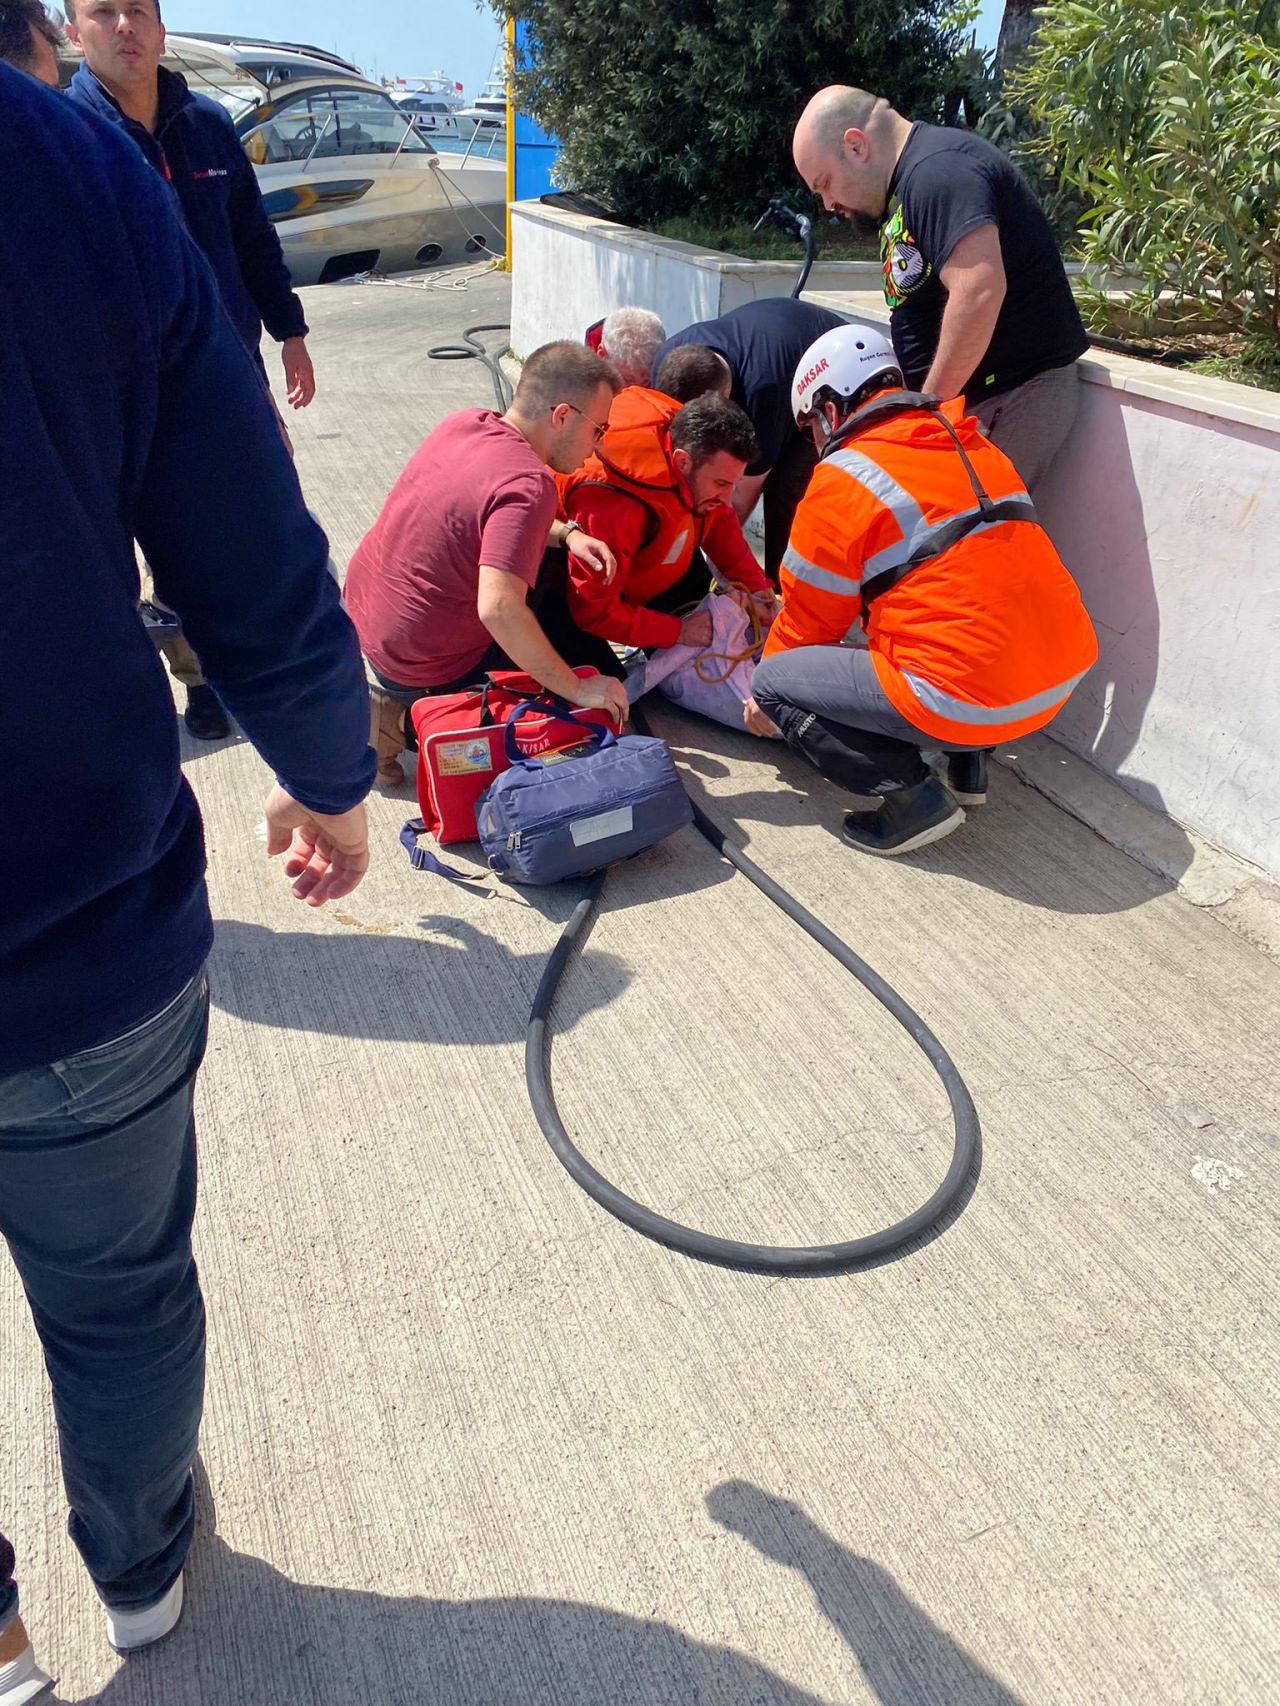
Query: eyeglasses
<point>597,430</point>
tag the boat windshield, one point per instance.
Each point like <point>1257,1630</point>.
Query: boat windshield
<point>238,100</point>
<point>332,126</point>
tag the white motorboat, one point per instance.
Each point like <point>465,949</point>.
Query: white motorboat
<point>488,115</point>
<point>430,114</point>
<point>348,181</point>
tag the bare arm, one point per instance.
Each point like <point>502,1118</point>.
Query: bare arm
<point>502,605</point>
<point>974,281</point>
<point>746,494</point>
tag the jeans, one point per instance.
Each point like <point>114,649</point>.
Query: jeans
<point>97,1197</point>
<point>830,706</point>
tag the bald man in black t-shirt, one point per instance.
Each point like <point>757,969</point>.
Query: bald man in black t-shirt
<point>979,299</point>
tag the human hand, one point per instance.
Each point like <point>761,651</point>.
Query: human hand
<point>603,693</point>
<point>767,603</point>
<point>755,720</point>
<point>299,374</point>
<point>695,630</point>
<point>594,553</point>
<point>327,856</point>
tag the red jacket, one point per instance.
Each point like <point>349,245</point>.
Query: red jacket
<point>630,495</point>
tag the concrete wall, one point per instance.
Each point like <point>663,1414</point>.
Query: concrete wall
<point>1165,506</point>
<point>568,271</point>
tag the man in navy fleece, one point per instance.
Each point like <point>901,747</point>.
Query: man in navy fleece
<point>151,423</point>
<point>191,142</point>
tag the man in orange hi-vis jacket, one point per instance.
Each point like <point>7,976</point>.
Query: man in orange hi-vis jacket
<point>923,605</point>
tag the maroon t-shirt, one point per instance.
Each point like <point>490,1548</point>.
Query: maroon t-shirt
<point>475,492</point>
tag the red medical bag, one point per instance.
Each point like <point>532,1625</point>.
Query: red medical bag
<point>461,745</point>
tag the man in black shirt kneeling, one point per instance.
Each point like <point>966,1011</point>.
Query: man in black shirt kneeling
<point>979,300</point>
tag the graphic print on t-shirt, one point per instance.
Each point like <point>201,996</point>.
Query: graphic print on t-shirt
<point>905,268</point>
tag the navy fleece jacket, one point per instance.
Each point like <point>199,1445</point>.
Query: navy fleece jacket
<point>131,409</point>
<point>196,147</point>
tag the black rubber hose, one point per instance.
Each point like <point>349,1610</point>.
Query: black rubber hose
<point>471,349</point>
<point>730,1252</point>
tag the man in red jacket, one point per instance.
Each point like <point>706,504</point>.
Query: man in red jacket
<point>658,492</point>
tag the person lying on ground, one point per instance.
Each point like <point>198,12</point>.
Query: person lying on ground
<point>658,492</point>
<point>915,532</point>
<point>449,582</point>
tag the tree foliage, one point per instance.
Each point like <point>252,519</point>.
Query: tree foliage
<point>1165,116</point>
<point>671,107</point>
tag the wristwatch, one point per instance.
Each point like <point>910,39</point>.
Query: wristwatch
<point>570,527</point>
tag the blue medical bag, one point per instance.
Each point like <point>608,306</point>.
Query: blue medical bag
<point>548,819</point>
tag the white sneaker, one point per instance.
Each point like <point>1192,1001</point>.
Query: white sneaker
<point>21,1680</point>
<point>129,1630</point>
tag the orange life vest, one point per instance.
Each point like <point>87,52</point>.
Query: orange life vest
<point>917,528</point>
<point>634,458</point>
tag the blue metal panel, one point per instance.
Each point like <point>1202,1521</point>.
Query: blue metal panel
<point>536,152</point>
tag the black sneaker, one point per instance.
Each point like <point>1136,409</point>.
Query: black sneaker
<point>204,716</point>
<point>909,818</point>
<point>966,777</point>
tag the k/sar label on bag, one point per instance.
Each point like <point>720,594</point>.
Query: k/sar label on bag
<point>463,757</point>
<point>602,826</point>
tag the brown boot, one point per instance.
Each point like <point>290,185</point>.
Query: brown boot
<point>386,735</point>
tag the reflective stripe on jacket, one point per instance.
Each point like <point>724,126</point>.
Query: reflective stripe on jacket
<point>985,637</point>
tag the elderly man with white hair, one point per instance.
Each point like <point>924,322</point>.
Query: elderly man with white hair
<point>630,338</point>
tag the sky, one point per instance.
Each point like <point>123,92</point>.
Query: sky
<point>404,38</point>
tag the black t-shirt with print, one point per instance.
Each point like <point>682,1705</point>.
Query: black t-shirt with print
<point>946,184</point>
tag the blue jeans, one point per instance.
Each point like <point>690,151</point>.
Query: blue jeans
<point>97,1196</point>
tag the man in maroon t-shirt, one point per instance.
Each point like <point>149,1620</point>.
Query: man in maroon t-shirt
<point>439,587</point>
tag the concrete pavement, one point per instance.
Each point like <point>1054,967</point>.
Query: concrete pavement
<point>469,1442</point>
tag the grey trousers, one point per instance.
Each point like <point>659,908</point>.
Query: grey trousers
<point>830,707</point>
<point>1031,422</point>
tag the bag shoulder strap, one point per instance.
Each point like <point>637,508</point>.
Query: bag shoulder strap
<point>422,859</point>
<point>653,521</point>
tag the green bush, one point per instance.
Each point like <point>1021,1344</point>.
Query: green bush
<point>686,107</point>
<point>1165,117</point>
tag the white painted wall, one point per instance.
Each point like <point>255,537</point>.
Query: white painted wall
<point>1170,520</point>
<point>569,271</point>
<point>1165,506</point>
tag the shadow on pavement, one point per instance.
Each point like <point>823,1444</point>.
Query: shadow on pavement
<point>456,984</point>
<point>253,1635</point>
<point>904,1656</point>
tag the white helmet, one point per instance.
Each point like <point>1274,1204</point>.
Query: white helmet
<point>843,362</point>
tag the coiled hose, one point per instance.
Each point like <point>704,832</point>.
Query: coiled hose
<point>471,349</point>
<point>731,1252</point>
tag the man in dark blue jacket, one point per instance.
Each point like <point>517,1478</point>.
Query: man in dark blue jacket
<point>150,424</point>
<point>191,142</point>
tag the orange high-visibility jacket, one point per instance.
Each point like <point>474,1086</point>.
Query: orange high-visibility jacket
<point>629,494</point>
<point>977,636</point>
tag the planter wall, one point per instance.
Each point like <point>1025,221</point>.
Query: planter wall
<point>1165,505</point>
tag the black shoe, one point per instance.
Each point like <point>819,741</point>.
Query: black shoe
<point>909,818</point>
<point>204,716</point>
<point>966,777</point>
